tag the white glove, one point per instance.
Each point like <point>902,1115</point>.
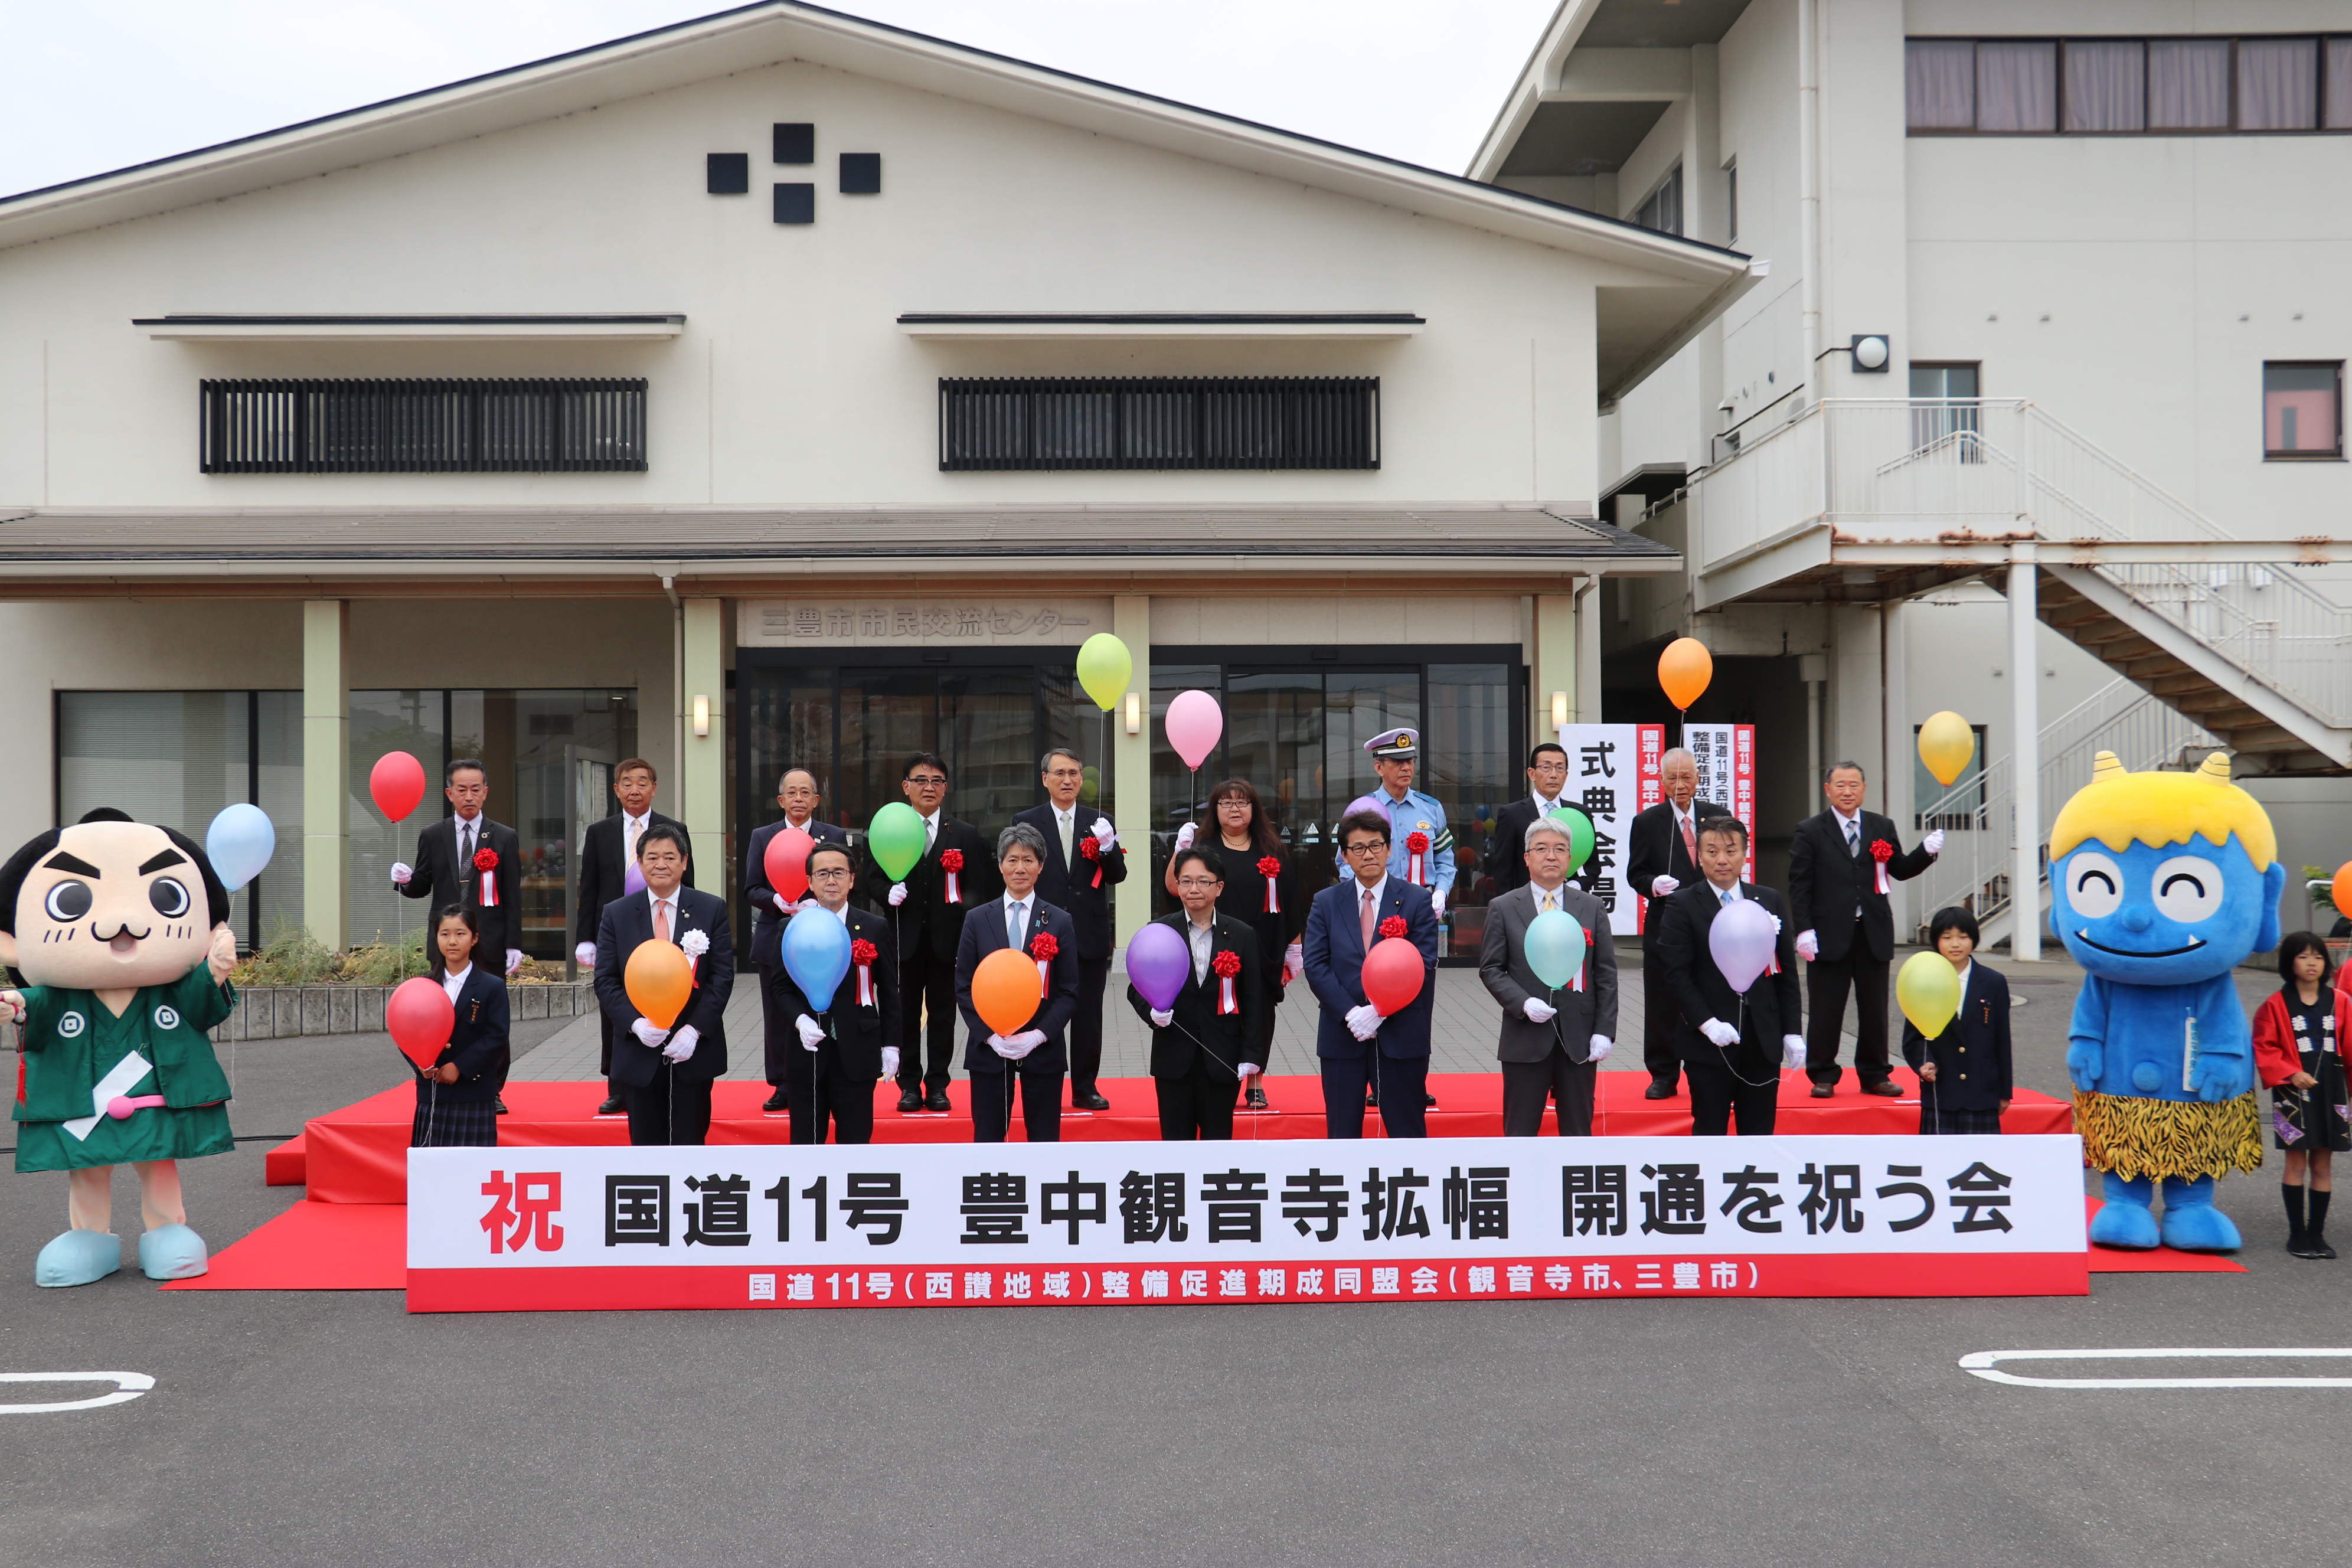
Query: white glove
<point>514,959</point>
<point>1664,887</point>
<point>811,1031</point>
<point>1792,1050</point>
<point>1364,1022</point>
<point>1013,1047</point>
<point>1600,1046</point>
<point>681,1045</point>
<point>890,1062</point>
<point>1721,1033</point>
<point>1162,1017</point>
<point>1294,961</point>
<point>649,1034</point>
<point>1184,836</point>
<point>401,873</point>
<point>1539,1011</point>
<point>1809,946</point>
<point>1437,903</point>
<point>585,955</point>
<point>1249,1070</point>
<point>1104,834</point>
<point>1934,843</point>
<point>898,894</point>
<point>784,906</point>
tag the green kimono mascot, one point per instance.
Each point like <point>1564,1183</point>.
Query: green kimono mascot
<point>120,931</point>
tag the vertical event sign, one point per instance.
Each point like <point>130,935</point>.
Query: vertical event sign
<point>1727,773</point>
<point>1607,777</point>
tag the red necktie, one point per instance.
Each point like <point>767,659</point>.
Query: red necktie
<point>1690,843</point>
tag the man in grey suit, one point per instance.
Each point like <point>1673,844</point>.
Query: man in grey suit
<point>1552,1041</point>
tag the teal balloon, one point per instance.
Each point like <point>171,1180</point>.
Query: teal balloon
<point>1579,823</point>
<point>816,955</point>
<point>894,839</point>
<point>1555,947</point>
<point>239,844</point>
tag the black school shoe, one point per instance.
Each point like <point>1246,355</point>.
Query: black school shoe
<point>910,1102</point>
<point>613,1107</point>
<point>500,1103</point>
<point>1658,1089</point>
<point>775,1102</point>
<point>938,1102</point>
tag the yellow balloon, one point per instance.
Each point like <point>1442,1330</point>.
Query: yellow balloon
<point>1928,989</point>
<point>1947,744</point>
<point>1104,665</point>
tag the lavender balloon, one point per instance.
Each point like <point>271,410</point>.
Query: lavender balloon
<point>633,881</point>
<point>1741,938</point>
<point>1157,963</point>
<point>1376,801</point>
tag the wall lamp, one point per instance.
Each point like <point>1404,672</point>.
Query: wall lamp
<point>702,716</point>
<point>1135,714</point>
<point>1558,709</point>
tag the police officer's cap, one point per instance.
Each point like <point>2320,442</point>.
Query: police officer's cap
<point>1395,744</point>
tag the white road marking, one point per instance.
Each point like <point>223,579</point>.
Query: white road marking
<point>1984,1364</point>
<point>128,1386</point>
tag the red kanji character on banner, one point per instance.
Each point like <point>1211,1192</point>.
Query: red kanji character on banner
<point>522,1212</point>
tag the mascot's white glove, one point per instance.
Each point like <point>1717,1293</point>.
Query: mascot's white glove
<point>1539,1011</point>
<point>1721,1033</point>
<point>1792,1050</point>
<point>1249,1070</point>
<point>1602,1045</point>
<point>1437,903</point>
<point>1934,843</point>
<point>1364,1022</point>
<point>585,955</point>
<point>890,1062</point>
<point>1664,887</point>
<point>811,1031</point>
<point>681,1045</point>
<point>222,957</point>
<point>401,873</point>
<point>648,1034</point>
<point>1294,961</point>
<point>514,959</point>
<point>1184,836</point>
<point>1809,946</point>
<point>898,894</point>
<point>1162,1017</point>
<point>1104,834</point>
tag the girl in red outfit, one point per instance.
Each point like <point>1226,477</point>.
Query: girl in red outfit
<point>2299,1041</point>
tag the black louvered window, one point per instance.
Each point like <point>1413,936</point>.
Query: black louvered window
<point>1259,421</point>
<point>423,426</point>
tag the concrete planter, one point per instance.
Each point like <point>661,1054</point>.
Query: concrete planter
<point>287,1012</point>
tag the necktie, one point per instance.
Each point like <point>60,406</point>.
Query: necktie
<point>1013,921</point>
<point>1690,842</point>
<point>1369,912</point>
<point>930,831</point>
<point>661,919</point>
<point>1069,819</point>
<point>1852,839</point>
<point>1725,898</point>
<point>632,827</point>
<point>1549,906</point>
<point>464,851</point>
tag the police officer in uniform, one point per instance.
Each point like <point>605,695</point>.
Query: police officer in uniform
<point>1394,754</point>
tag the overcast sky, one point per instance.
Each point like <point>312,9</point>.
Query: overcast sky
<point>94,85</point>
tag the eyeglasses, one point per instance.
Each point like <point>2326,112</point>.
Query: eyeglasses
<point>829,874</point>
<point>1199,884</point>
<point>1366,846</point>
<point>928,780</point>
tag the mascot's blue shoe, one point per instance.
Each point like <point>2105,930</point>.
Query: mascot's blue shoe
<point>2192,1223</point>
<point>77,1258</point>
<point>2124,1221</point>
<point>172,1252</point>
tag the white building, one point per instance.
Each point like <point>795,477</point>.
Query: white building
<point>2055,311</point>
<point>780,388</point>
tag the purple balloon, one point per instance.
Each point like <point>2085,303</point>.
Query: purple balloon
<point>633,881</point>
<point>1157,961</point>
<point>1376,801</point>
<point>1741,938</point>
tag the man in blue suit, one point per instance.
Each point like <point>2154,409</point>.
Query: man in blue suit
<point>1036,1054</point>
<point>1354,1042</point>
<point>665,1075</point>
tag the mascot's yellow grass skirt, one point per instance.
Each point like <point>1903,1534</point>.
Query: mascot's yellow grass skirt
<point>2135,1138</point>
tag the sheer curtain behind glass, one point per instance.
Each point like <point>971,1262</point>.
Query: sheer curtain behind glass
<point>1940,84</point>
<point>2106,86</point>
<point>2278,84</point>
<point>2339,84</point>
<point>2188,84</point>
<point>2016,86</point>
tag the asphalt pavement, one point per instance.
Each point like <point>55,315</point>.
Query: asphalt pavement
<point>291,1428</point>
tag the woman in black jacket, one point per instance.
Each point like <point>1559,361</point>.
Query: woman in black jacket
<point>1262,890</point>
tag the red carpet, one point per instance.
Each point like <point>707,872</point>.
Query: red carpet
<point>316,1247</point>
<point>359,1154</point>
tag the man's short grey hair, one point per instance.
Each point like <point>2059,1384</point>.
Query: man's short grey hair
<point>1024,836</point>
<point>1830,771</point>
<point>1682,751</point>
<point>785,782</point>
<point>1046,762</point>
<point>1552,825</point>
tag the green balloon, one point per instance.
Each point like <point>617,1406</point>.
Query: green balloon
<point>894,839</point>
<point>1579,835</point>
<point>1104,665</point>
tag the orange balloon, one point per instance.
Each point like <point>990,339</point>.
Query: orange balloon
<point>1005,991</point>
<point>658,981</point>
<point>1684,670</point>
<point>2343,889</point>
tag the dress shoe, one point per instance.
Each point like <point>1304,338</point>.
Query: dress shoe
<point>938,1102</point>
<point>910,1102</point>
<point>776,1103</point>
<point>1658,1090</point>
<point>613,1107</point>
<point>1823,1090</point>
<point>1090,1101</point>
<point>501,1103</point>
<point>1883,1088</point>
<point>1428,1100</point>
<point>1372,1097</point>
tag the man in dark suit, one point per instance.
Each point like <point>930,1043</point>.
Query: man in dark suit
<point>1202,1043</point>
<point>1354,1043</point>
<point>1552,1041</point>
<point>955,876</point>
<point>608,848</point>
<point>1548,784</point>
<point>1038,1055</point>
<point>854,1040</point>
<point>787,1065</point>
<point>1733,1045</point>
<point>1845,927</point>
<point>1083,861</point>
<point>666,1073</point>
<point>450,869</point>
<point>1662,855</point>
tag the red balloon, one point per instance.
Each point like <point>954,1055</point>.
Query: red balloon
<point>419,1015</point>
<point>1392,974</point>
<point>787,863</point>
<point>397,782</point>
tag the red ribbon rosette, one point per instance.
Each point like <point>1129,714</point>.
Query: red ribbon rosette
<point>1225,966</point>
<point>1270,868</point>
<point>951,862</point>
<point>1042,947</point>
<point>1392,926</point>
<point>486,861</point>
<point>1416,847</point>
<point>863,954</point>
<point>1881,852</point>
<point>1091,847</point>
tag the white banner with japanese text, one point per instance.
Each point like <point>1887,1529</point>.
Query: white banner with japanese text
<point>1310,1219</point>
<point>1726,754</point>
<point>1606,776</point>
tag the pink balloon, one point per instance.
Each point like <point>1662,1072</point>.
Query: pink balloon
<point>1194,723</point>
<point>1741,938</point>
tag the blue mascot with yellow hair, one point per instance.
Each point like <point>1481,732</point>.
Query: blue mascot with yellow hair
<point>2162,883</point>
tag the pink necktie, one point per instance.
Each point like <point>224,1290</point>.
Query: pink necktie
<point>1369,912</point>
<point>1690,842</point>
<point>661,919</point>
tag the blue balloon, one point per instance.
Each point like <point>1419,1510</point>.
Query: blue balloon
<point>816,955</point>
<point>239,844</point>
<point>1555,947</point>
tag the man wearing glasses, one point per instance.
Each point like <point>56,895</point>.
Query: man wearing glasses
<point>1202,1042</point>
<point>854,1041</point>
<point>931,904</point>
<point>1548,780</point>
<point>1357,1045</point>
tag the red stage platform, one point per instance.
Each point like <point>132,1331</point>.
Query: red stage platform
<point>360,1154</point>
